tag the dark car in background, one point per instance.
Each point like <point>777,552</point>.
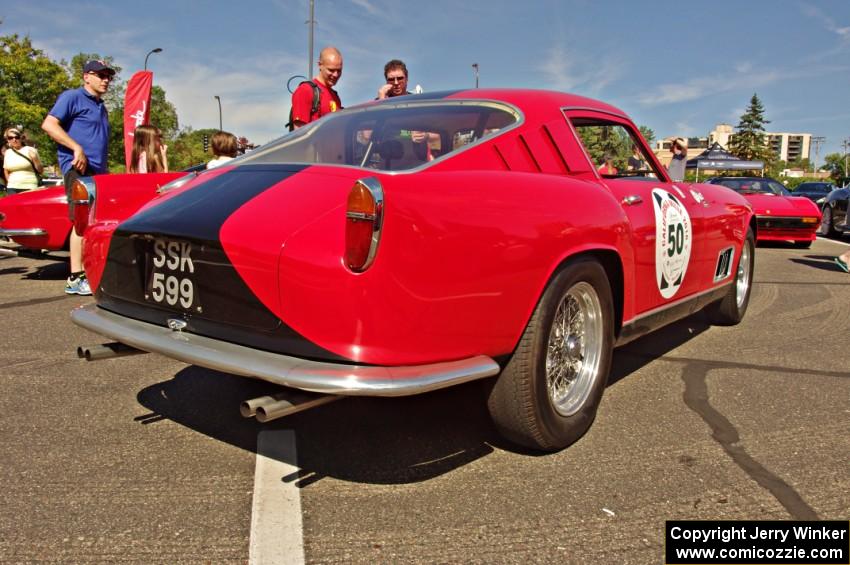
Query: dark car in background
<point>814,191</point>
<point>834,208</point>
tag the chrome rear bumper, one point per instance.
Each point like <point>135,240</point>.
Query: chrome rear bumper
<point>23,233</point>
<point>313,376</point>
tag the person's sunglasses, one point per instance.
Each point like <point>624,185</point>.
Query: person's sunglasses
<point>391,80</point>
<point>11,137</point>
<point>102,76</point>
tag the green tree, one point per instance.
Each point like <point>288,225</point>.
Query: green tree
<point>774,168</point>
<point>748,143</point>
<point>836,165</point>
<point>647,134</point>
<point>29,84</point>
<point>602,140</point>
<point>187,148</point>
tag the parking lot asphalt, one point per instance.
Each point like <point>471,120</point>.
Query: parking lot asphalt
<point>143,459</point>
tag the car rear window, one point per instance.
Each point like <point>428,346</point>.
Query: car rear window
<point>389,137</point>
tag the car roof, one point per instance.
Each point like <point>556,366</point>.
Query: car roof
<point>532,102</point>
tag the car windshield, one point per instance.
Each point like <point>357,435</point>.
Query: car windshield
<point>753,186</point>
<point>389,137</point>
<point>815,187</point>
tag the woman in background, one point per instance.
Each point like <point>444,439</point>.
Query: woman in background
<point>149,154</point>
<point>21,164</point>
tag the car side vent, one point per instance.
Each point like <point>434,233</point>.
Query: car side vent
<point>724,264</point>
<point>515,152</point>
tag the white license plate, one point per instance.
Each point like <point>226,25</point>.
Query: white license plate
<point>171,275</point>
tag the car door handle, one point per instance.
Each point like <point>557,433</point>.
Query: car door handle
<point>632,200</point>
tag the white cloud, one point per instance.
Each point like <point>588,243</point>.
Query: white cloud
<point>566,71</point>
<point>702,87</point>
<point>254,99</point>
<point>843,32</point>
<point>368,6</point>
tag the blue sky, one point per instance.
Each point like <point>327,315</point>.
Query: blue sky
<point>679,68</point>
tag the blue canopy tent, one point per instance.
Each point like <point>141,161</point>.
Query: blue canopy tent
<point>716,158</point>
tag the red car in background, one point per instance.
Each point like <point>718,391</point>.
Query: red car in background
<point>38,220</point>
<point>420,242</point>
<point>781,216</point>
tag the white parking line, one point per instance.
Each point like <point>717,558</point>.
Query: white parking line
<point>833,240</point>
<point>276,528</point>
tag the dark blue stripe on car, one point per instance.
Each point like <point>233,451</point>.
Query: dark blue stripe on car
<point>200,212</point>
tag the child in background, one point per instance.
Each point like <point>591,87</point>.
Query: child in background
<point>149,154</point>
<point>224,147</point>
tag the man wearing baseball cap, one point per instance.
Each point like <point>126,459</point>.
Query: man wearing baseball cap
<point>79,124</point>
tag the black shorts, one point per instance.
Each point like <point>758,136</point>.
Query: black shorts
<point>69,178</point>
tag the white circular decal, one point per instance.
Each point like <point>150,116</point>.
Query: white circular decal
<point>673,240</point>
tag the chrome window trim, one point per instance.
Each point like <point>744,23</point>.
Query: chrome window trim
<point>311,128</point>
<point>565,109</point>
<point>177,183</point>
<point>303,374</point>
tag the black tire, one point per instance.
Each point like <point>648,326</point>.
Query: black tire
<point>548,409</point>
<point>730,310</point>
<point>827,226</point>
<point>802,244</point>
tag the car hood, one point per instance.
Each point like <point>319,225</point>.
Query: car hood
<point>775,205</point>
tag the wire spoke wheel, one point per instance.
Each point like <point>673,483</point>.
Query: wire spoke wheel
<point>574,349</point>
<point>547,395</point>
<point>742,279</point>
<point>730,309</point>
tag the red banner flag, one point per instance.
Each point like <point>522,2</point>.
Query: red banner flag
<point>137,109</point>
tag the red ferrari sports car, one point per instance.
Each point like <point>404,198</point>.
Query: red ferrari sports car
<point>781,216</point>
<point>416,243</point>
<point>38,220</point>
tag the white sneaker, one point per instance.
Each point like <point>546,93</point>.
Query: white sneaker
<point>80,286</point>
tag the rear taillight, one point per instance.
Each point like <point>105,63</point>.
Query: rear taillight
<point>80,197</point>
<point>363,219</point>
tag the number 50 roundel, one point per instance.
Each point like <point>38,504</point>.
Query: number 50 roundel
<point>673,241</point>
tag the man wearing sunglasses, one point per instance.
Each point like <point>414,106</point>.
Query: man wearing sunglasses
<point>395,73</point>
<point>79,124</point>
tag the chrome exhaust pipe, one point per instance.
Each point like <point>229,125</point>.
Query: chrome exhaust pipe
<point>248,408</point>
<point>268,408</point>
<point>106,351</point>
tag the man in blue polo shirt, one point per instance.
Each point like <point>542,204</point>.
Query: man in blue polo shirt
<point>79,124</point>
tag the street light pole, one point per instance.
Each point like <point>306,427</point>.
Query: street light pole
<point>220,128</point>
<point>157,50</point>
<point>817,140</point>
<point>475,69</point>
<point>312,21</point>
